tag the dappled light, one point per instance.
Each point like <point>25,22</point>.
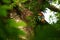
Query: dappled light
<point>29,19</point>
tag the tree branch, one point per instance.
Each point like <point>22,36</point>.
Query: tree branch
<point>53,8</point>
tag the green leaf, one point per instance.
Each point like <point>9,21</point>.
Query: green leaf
<point>11,23</point>
<point>6,7</point>
<point>6,1</point>
<point>23,1</point>
<point>12,31</point>
<point>21,23</point>
<point>59,1</point>
<point>3,12</point>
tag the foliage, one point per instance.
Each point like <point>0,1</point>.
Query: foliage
<point>42,30</point>
<point>8,27</point>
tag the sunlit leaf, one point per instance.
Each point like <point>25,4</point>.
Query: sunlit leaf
<point>11,23</point>
<point>22,1</point>
<point>21,23</point>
